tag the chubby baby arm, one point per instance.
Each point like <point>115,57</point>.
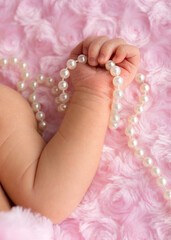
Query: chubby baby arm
<point>52,179</point>
<point>69,161</point>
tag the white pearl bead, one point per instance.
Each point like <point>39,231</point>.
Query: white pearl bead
<point>23,66</point>
<point>129,131</point>
<point>36,106</point>
<point>33,85</point>
<point>33,97</point>
<point>133,119</point>
<point>57,100</point>
<point>117,81</point>
<point>144,88</point>
<point>21,86</point>
<point>14,60</point>
<point>64,73</point>
<point>115,71</point>
<point>25,75</point>
<point>138,108</point>
<point>118,94</point>
<point>40,79</point>
<point>40,115</point>
<point>71,64</point>
<point>139,153</point>
<point>132,142</point>
<point>63,97</point>
<point>62,107</point>
<point>54,90</point>
<point>155,171</point>
<point>82,58</point>
<point>42,125</point>
<point>116,107</point>
<point>62,85</point>
<point>49,82</point>
<point>167,194</point>
<point>147,162</point>
<point>109,64</point>
<point>113,125</point>
<point>114,118</point>
<point>140,78</point>
<point>143,98</point>
<point>161,181</point>
<point>4,62</point>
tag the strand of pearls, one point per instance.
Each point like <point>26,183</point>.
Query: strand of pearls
<point>63,98</point>
<point>60,98</point>
<point>132,120</point>
<point>117,94</point>
<point>133,143</point>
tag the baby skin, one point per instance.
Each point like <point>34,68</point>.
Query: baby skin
<point>52,178</point>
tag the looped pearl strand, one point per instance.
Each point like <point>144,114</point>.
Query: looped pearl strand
<point>60,99</point>
<point>116,107</point>
<point>63,85</point>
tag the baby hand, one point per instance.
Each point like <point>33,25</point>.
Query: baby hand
<point>93,77</point>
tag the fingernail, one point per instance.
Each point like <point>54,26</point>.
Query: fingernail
<point>101,57</point>
<point>93,61</point>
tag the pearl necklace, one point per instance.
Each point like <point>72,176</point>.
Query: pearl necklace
<point>116,107</point>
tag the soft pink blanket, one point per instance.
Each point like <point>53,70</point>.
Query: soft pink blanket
<point>123,202</point>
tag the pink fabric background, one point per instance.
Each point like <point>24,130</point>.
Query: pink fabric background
<point>123,201</point>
